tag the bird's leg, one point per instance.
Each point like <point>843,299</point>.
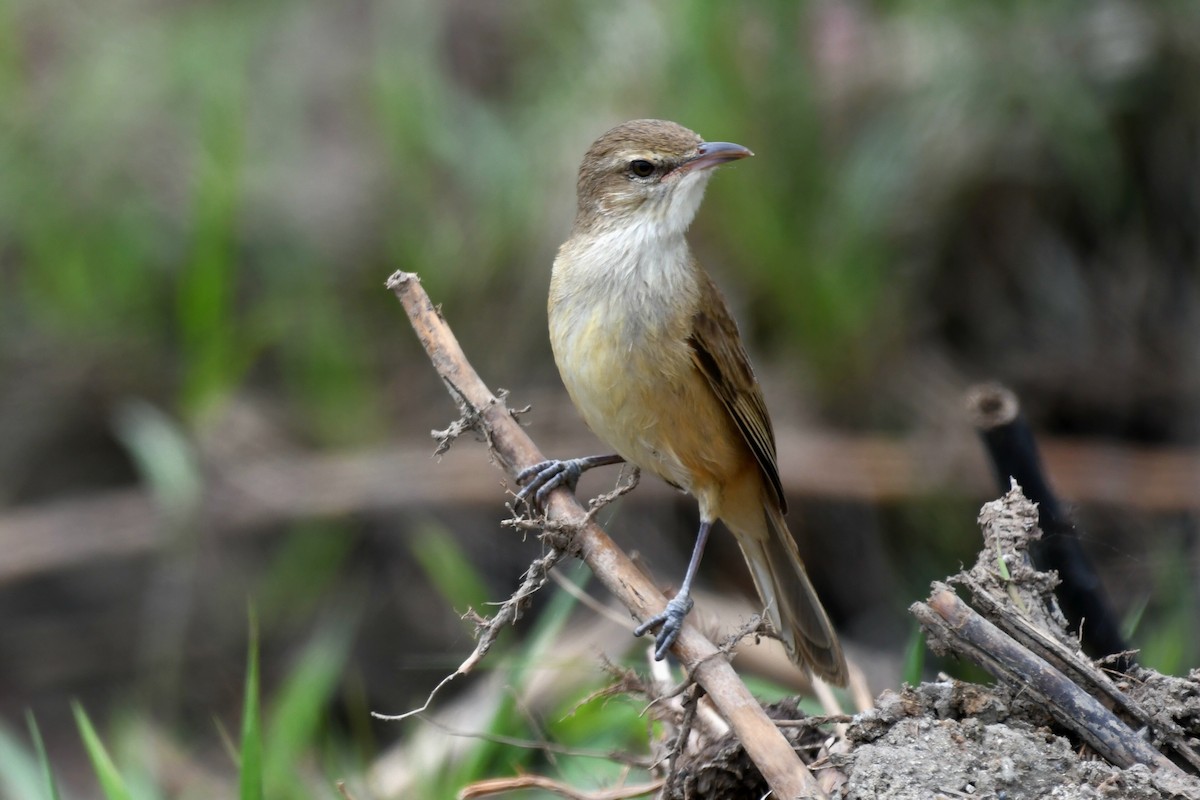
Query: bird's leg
<point>546,476</point>
<point>671,619</point>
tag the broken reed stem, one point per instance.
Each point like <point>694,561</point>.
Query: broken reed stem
<point>1025,644</point>
<point>964,631</point>
<point>783,770</point>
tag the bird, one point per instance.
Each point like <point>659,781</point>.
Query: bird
<point>652,359</point>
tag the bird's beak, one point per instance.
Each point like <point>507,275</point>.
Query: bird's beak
<point>713,154</point>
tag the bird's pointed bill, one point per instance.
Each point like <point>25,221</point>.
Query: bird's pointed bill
<point>713,154</point>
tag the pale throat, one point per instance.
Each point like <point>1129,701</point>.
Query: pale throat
<point>643,250</point>
<point>642,270</point>
<point>629,275</point>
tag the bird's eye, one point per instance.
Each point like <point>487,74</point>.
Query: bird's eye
<point>641,168</point>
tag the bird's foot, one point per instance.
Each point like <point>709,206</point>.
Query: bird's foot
<point>671,620</point>
<point>545,476</point>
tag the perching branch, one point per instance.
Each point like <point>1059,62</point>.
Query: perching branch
<point>784,772</point>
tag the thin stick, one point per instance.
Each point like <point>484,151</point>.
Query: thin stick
<point>521,782</point>
<point>514,450</point>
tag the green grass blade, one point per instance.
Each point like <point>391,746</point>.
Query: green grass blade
<point>111,782</point>
<point>914,658</point>
<point>165,458</point>
<point>448,567</point>
<point>19,773</point>
<point>251,777</point>
<point>294,723</point>
<point>210,330</point>
<point>1133,618</point>
<point>39,749</point>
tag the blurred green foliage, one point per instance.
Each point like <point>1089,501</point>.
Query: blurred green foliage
<point>250,761</point>
<point>26,772</point>
<point>270,761</point>
<point>227,186</point>
<point>1168,640</point>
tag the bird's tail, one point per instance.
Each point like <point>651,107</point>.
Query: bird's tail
<point>791,601</point>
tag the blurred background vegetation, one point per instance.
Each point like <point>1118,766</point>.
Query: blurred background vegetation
<point>199,203</point>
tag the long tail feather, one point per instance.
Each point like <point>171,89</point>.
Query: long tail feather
<point>791,601</point>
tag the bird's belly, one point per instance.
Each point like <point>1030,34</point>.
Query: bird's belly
<point>639,391</point>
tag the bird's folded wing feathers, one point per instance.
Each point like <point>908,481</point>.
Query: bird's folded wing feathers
<point>718,353</point>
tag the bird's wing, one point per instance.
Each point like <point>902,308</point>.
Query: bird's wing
<point>718,353</point>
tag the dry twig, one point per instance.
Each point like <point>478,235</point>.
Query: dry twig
<point>504,785</point>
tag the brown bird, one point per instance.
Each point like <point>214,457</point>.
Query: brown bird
<point>653,361</point>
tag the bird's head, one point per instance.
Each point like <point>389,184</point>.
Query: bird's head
<point>648,172</point>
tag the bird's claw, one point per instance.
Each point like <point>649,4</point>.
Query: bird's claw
<point>546,476</point>
<point>671,620</point>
